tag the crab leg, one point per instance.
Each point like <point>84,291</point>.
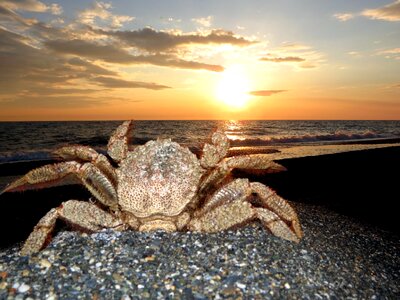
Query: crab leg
<point>253,161</point>
<point>237,190</point>
<point>223,217</point>
<point>85,215</point>
<point>212,154</point>
<point>277,205</point>
<point>90,155</point>
<point>229,207</point>
<point>118,143</point>
<point>68,173</point>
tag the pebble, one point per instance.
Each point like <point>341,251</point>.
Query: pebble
<point>150,258</point>
<point>359,262</point>
<point>45,263</point>
<point>23,288</point>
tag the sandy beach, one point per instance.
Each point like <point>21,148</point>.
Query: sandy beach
<point>351,246</point>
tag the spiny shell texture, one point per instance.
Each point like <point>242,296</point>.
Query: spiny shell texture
<point>158,178</point>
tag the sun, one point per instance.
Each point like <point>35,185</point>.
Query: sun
<point>233,88</point>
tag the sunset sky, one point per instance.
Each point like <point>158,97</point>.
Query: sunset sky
<point>287,59</point>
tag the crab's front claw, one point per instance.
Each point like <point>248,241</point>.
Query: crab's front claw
<point>87,154</point>
<point>46,176</point>
<point>70,172</point>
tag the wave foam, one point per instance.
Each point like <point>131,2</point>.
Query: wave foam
<point>307,138</point>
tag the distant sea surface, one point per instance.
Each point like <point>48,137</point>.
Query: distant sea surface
<point>25,141</point>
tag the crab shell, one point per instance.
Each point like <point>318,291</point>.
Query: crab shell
<point>158,178</point>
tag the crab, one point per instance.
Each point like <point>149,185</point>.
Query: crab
<point>160,185</point>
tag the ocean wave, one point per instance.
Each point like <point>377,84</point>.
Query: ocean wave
<point>25,156</point>
<point>306,138</point>
<point>195,145</point>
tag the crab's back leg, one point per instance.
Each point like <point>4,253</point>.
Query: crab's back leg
<point>87,154</point>
<point>229,207</point>
<point>82,214</point>
<point>119,141</point>
<point>254,161</point>
<point>237,190</point>
<point>223,217</point>
<point>278,206</point>
<point>68,173</point>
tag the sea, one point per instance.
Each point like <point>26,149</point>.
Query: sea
<point>28,141</point>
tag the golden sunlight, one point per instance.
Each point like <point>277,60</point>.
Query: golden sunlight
<point>233,88</point>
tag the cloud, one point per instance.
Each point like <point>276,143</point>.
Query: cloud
<point>390,51</point>
<point>32,5</point>
<point>393,86</point>
<point>158,41</point>
<point>265,93</point>
<point>393,53</point>
<point>55,101</point>
<point>283,59</point>
<point>100,10</point>
<point>112,54</point>
<point>354,53</point>
<point>287,46</point>
<point>296,54</point>
<point>56,9</point>
<point>55,61</point>
<point>308,66</point>
<point>121,83</point>
<point>390,12</point>
<point>205,22</point>
<point>27,5</point>
<point>7,14</point>
<point>89,67</point>
<point>172,61</point>
<point>88,49</point>
<point>32,71</point>
<point>53,91</point>
<point>170,20</point>
<point>344,16</point>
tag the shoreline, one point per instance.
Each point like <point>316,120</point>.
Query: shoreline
<point>277,151</point>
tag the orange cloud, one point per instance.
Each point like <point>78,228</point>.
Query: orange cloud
<point>283,59</point>
<point>112,54</point>
<point>121,83</point>
<point>390,12</point>
<point>266,93</point>
<point>158,41</point>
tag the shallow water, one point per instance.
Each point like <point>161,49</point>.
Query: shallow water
<point>35,140</point>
